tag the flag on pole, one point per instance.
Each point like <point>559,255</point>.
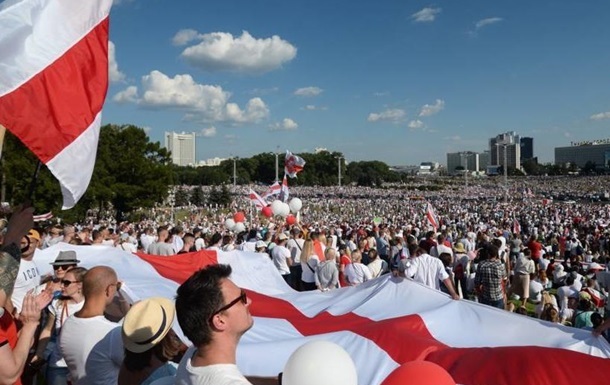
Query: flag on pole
<point>431,216</point>
<point>284,192</point>
<point>366,322</point>
<point>257,200</point>
<point>43,217</point>
<point>293,164</point>
<point>53,82</point>
<point>273,190</point>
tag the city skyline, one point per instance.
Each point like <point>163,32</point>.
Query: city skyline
<point>394,81</point>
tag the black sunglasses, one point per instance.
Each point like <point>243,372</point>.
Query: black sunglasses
<point>243,298</point>
<point>67,283</point>
<point>63,267</point>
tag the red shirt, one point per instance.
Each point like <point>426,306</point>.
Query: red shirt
<point>8,333</point>
<point>536,248</point>
<point>343,262</point>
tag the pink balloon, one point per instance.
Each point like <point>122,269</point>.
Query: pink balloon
<point>419,373</point>
<point>291,219</point>
<point>267,211</point>
<point>239,217</point>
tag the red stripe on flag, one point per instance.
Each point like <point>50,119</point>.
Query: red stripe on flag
<point>180,267</point>
<point>55,106</point>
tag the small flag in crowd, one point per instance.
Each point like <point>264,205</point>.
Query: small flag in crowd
<point>53,83</point>
<point>43,217</point>
<point>431,216</point>
<point>293,164</point>
<point>516,226</point>
<point>257,200</point>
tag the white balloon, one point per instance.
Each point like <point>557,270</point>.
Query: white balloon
<point>230,223</point>
<point>285,210</point>
<point>239,227</point>
<point>295,205</point>
<point>309,365</point>
<point>277,206</point>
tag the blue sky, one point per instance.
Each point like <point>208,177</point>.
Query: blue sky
<point>397,81</point>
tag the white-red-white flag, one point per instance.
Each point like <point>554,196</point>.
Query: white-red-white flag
<point>53,82</point>
<point>516,226</point>
<point>257,200</point>
<point>43,217</point>
<point>293,164</point>
<point>366,321</point>
<point>273,190</point>
<point>431,216</point>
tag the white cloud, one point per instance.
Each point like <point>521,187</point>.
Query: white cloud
<point>391,115</point>
<point>113,67</point>
<point>221,51</point>
<point>600,116</point>
<point>485,22</point>
<point>308,91</point>
<point>567,134</point>
<point>311,107</point>
<point>286,125</point>
<point>209,132</point>
<point>454,138</point>
<point>201,102</point>
<point>128,95</point>
<point>184,36</point>
<point>432,109</point>
<point>147,129</point>
<point>426,15</point>
<point>415,124</point>
<point>380,94</point>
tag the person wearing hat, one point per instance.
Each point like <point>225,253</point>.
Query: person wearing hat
<point>28,277</point>
<point>281,258</point>
<point>64,261</point>
<point>149,342</point>
<point>461,268</point>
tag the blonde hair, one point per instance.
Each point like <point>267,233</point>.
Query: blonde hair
<point>330,254</point>
<point>307,251</point>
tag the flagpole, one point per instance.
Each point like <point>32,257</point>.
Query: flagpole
<point>30,196</point>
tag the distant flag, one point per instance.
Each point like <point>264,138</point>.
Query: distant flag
<point>529,192</point>
<point>273,190</point>
<point>431,216</point>
<point>516,226</point>
<point>257,200</point>
<point>284,192</point>
<point>43,217</point>
<point>53,83</point>
<point>293,164</point>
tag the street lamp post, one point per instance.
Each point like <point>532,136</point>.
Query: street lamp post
<point>234,173</point>
<point>277,165</point>
<point>339,169</point>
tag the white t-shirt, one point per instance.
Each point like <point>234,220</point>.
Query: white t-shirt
<point>280,254</point>
<point>309,275</point>
<point>28,278</point>
<point>295,246</point>
<point>536,289</point>
<point>219,374</point>
<point>377,267</point>
<point>426,269</point>
<point>127,246</point>
<point>199,244</point>
<point>357,273</point>
<point>93,350</point>
<point>61,314</point>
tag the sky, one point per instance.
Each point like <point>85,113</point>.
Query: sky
<point>403,82</point>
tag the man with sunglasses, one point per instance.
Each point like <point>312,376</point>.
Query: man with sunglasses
<point>28,277</point>
<point>90,344</point>
<point>213,313</point>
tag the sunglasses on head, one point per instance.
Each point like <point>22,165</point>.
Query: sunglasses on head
<point>63,267</point>
<point>243,298</point>
<point>67,283</point>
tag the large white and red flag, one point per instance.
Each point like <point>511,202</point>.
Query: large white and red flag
<point>381,323</point>
<point>53,82</point>
<point>293,164</point>
<point>431,216</point>
<point>257,200</point>
<point>284,192</point>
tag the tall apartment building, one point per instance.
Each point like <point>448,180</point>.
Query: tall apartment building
<point>467,160</point>
<point>510,143</point>
<point>527,148</point>
<point>182,147</point>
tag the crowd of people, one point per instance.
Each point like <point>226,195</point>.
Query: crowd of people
<point>516,249</point>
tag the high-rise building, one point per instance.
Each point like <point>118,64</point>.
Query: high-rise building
<point>506,146</point>
<point>527,148</point>
<point>579,153</point>
<point>464,160</point>
<point>182,147</point>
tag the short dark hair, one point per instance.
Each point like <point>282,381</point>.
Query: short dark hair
<point>196,301</point>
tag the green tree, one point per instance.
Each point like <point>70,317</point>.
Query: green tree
<point>197,197</point>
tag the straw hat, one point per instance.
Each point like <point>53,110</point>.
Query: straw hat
<point>459,248</point>
<point>147,323</point>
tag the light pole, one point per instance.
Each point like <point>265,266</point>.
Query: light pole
<point>234,172</point>
<point>277,165</point>
<point>339,169</point>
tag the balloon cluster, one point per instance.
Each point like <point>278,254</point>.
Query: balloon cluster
<point>236,223</point>
<point>284,210</point>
